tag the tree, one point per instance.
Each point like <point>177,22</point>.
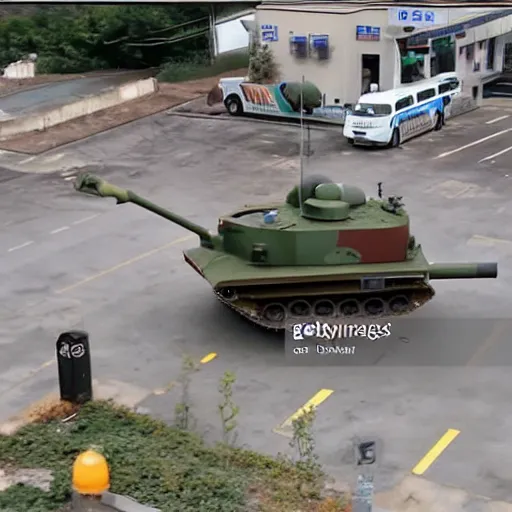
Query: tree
<point>262,66</point>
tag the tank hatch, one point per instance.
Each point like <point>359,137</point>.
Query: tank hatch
<point>332,202</point>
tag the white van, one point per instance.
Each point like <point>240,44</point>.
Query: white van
<point>391,117</point>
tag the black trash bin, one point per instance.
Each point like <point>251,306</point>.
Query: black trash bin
<point>74,362</point>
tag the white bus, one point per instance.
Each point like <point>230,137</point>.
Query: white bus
<point>391,117</point>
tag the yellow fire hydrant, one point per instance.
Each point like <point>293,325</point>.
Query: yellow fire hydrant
<point>91,475</point>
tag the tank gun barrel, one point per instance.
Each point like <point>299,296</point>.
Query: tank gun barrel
<point>93,185</point>
<point>463,270</point>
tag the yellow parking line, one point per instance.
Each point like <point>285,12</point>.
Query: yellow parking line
<point>208,357</point>
<point>124,264</point>
<point>435,451</point>
<point>285,428</point>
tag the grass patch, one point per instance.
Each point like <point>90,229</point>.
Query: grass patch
<point>158,465</point>
<point>201,68</point>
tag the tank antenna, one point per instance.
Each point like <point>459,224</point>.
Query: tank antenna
<point>301,143</point>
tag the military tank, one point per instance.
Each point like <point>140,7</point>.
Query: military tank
<point>328,252</point>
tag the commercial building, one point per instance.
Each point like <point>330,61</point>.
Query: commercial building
<point>343,48</point>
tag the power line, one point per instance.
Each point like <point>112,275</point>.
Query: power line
<point>171,27</point>
<point>173,40</point>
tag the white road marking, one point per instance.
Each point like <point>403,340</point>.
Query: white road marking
<point>502,152</point>
<point>85,219</point>
<point>54,158</point>
<point>27,160</point>
<point>492,121</point>
<point>30,242</point>
<point>471,144</point>
<point>58,230</point>
<point>69,178</point>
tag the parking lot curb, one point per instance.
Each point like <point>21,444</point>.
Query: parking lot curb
<point>190,115</point>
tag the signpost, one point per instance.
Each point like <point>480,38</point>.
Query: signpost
<point>366,456</point>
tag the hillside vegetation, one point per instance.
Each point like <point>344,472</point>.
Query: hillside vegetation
<point>76,39</point>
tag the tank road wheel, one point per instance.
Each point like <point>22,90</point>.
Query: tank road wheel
<point>300,308</point>
<point>274,313</point>
<point>374,307</point>
<point>399,304</point>
<point>234,106</point>
<point>228,294</point>
<point>324,308</point>
<point>349,307</point>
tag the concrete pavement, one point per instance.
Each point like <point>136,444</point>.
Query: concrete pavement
<point>72,261</point>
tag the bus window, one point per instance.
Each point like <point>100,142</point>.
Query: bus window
<point>448,86</point>
<point>426,94</point>
<point>403,103</point>
<point>369,109</point>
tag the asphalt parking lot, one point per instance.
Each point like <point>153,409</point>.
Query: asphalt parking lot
<point>71,261</point>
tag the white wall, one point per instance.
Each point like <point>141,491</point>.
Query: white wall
<point>20,69</point>
<point>340,76</point>
<point>231,35</point>
<point>501,41</point>
<point>501,29</point>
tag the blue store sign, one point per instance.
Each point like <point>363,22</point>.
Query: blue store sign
<point>413,17</point>
<point>269,33</point>
<point>367,33</point>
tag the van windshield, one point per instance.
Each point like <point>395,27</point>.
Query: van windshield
<point>371,109</point>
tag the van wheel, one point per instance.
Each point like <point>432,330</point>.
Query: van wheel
<point>438,121</point>
<point>234,106</point>
<point>350,141</point>
<point>395,139</point>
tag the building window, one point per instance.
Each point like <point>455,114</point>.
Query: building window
<point>442,56</point>
<point>491,50</point>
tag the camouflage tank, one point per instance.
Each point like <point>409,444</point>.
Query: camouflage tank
<point>327,252</point>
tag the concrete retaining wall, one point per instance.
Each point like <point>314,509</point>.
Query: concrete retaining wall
<point>20,69</point>
<point>43,120</point>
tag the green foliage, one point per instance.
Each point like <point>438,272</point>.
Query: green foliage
<point>182,414</point>
<point>199,67</point>
<point>153,463</point>
<point>311,95</point>
<point>71,39</point>
<point>228,410</point>
<point>262,66</point>
<point>303,440</point>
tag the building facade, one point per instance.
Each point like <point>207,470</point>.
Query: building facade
<point>342,48</point>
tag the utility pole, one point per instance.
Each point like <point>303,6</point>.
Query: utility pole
<point>212,39</point>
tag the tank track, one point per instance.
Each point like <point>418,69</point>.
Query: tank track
<point>328,309</point>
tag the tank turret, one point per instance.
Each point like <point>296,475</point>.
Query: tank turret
<point>328,252</point>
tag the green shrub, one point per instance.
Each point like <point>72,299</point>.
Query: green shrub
<point>156,464</point>
<point>201,68</point>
